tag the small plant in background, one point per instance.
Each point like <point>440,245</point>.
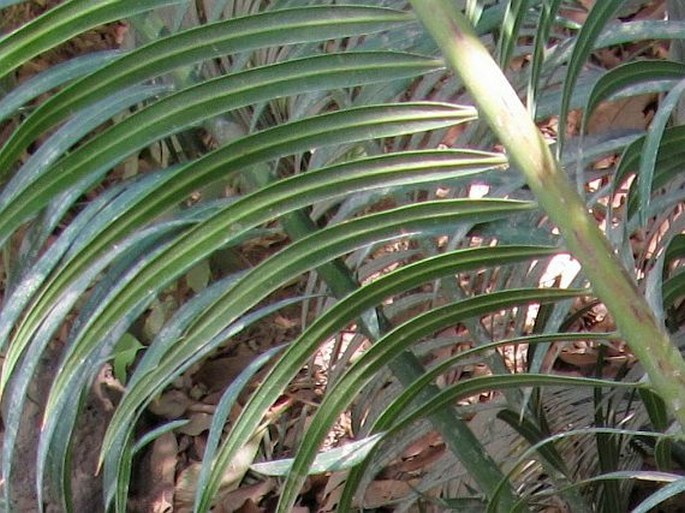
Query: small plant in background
<point>276,256</point>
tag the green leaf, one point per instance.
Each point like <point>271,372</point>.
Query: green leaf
<point>226,403</point>
<point>361,300</point>
<point>92,160</point>
<point>533,435</point>
<point>297,353</point>
<point>62,23</point>
<point>334,460</point>
<point>547,16</point>
<point>53,77</point>
<point>670,149</point>
<point>386,170</point>
<point>124,355</point>
<point>326,129</point>
<point>412,394</point>
<point>278,270</point>
<point>628,74</point>
<point>676,487</point>
<point>93,254</point>
<point>513,18</point>
<point>198,276</point>
<point>597,18</point>
<point>194,45</point>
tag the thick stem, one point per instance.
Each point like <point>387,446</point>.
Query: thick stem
<point>501,107</point>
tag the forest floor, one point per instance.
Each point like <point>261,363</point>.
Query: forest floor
<point>165,472</point>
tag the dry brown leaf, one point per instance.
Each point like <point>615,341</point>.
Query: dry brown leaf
<point>382,492</point>
<point>332,492</point>
<point>420,445</point>
<point>579,358</point>
<point>237,500</point>
<point>199,422</point>
<point>249,507</point>
<point>628,113</point>
<point>575,14</point>
<point>422,461</point>
<point>379,493</point>
<point>171,404</point>
<point>186,484</point>
<point>217,374</point>
<point>162,473</point>
<point>285,323</point>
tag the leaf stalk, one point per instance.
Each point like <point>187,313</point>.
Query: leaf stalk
<point>506,115</point>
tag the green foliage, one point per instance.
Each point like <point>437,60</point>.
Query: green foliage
<point>131,189</point>
<point>124,355</point>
